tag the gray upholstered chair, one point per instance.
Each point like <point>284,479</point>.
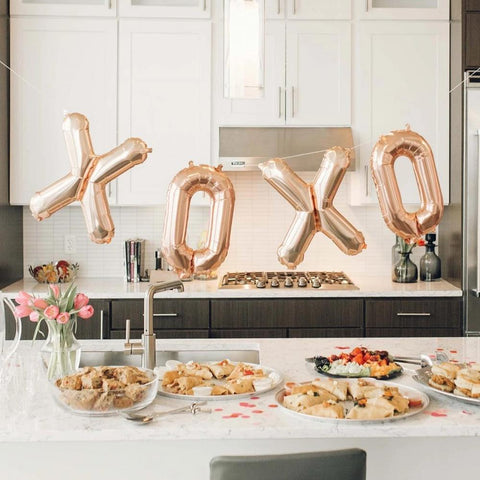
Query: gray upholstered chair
<point>335,465</point>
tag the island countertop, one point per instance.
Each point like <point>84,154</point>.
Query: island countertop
<point>33,426</point>
<point>374,286</point>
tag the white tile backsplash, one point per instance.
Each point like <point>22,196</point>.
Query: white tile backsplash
<point>261,219</point>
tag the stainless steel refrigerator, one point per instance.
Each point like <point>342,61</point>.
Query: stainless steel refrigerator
<point>471,203</point>
<point>11,232</point>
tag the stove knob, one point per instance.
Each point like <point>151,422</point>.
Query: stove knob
<point>302,282</point>
<point>274,283</point>
<point>315,282</point>
<point>288,282</point>
<point>260,283</point>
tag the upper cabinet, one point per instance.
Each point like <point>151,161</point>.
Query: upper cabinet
<point>82,8</point>
<point>309,9</point>
<point>401,77</point>
<point>164,96</point>
<point>63,65</point>
<point>165,8</point>
<point>402,9</point>
<point>307,77</point>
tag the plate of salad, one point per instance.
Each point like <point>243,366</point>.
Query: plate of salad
<point>360,362</point>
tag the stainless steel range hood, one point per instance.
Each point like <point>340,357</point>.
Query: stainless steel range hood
<point>241,149</point>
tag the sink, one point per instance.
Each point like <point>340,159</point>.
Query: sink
<point>91,357</point>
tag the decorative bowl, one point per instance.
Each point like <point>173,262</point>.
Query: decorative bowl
<point>59,272</point>
<point>106,390</point>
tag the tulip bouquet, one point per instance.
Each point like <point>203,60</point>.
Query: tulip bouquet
<point>60,311</point>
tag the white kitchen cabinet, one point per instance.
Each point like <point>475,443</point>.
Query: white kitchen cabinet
<point>402,9</point>
<point>67,65</point>
<point>84,8</point>
<point>307,77</point>
<point>164,96</point>
<point>165,8</point>
<point>309,9</point>
<point>399,71</point>
<point>318,76</point>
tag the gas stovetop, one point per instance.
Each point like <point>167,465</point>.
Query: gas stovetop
<point>306,280</point>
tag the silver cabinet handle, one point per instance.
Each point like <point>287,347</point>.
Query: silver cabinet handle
<point>278,7</point>
<point>293,102</point>
<point>165,314</point>
<point>101,324</point>
<point>366,5</point>
<point>366,180</point>
<point>279,102</point>
<point>294,7</point>
<point>108,4</point>
<point>413,314</point>
<point>204,5</point>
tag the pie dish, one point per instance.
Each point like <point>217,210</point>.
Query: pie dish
<point>106,390</point>
<point>351,401</point>
<point>227,380</point>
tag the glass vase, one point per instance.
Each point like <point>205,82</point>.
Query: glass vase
<point>61,350</point>
<point>405,271</point>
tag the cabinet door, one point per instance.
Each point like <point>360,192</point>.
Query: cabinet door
<point>84,8</point>
<point>472,5</point>
<point>401,72</point>
<point>472,40</point>
<point>269,109</point>
<point>67,65</point>
<point>318,80</point>
<point>164,97</point>
<point>402,9</point>
<point>165,8</point>
<point>319,9</point>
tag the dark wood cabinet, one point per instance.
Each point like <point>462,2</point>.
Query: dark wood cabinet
<point>187,318</point>
<point>394,317</point>
<point>472,5</point>
<point>286,317</point>
<point>95,327</point>
<point>472,40</point>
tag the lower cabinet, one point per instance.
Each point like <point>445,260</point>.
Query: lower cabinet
<point>95,327</point>
<point>420,317</point>
<point>270,318</point>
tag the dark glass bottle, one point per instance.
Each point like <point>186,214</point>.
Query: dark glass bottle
<point>430,264</point>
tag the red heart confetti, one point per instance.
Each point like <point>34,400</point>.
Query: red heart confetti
<point>453,351</point>
<point>342,348</point>
<point>219,409</point>
<point>257,411</point>
<point>466,412</point>
<point>439,413</point>
<point>247,405</point>
<point>440,349</point>
<point>273,405</point>
<point>254,398</point>
<point>245,416</point>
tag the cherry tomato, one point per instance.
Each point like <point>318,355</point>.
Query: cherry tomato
<point>358,359</point>
<point>414,402</point>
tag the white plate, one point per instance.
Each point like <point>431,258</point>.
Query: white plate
<point>422,376</point>
<point>408,392</point>
<point>270,372</point>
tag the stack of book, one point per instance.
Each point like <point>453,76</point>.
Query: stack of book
<point>134,260</point>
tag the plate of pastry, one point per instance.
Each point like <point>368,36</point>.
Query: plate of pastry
<point>455,380</point>
<point>360,362</point>
<point>221,380</point>
<point>351,401</point>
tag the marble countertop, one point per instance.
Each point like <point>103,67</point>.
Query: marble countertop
<point>110,288</point>
<point>29,413</point>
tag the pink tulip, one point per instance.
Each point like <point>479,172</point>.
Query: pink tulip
<point>63,317</point>
<point>55,290</point>
<point>40,303</point>
<point>34,316</point>
<point>80,301</point>
<point>51,312</point>
<point>86,311</point>
<point>23,298</point>
<point>22,311</point>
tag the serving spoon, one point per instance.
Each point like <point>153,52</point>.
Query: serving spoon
<point>193,408</point>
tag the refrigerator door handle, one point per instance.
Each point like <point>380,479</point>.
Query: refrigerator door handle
<point>477,289</point>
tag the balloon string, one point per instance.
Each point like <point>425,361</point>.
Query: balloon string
<point>463,81</point>
<point>22,78</point>
<point>326,150</point>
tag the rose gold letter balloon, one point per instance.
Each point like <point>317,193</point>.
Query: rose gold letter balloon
<point>184,185</point>
<point>87,178</point>
<point>314,206</point>
<point>408,225</point>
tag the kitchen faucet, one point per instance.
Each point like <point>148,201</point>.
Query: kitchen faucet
<point>146,347</point>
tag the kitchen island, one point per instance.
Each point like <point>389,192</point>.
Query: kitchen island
<point>40,440</point>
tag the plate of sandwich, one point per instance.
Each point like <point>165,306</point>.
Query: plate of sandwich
<point>351,401</point>
<point>455,380</point>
